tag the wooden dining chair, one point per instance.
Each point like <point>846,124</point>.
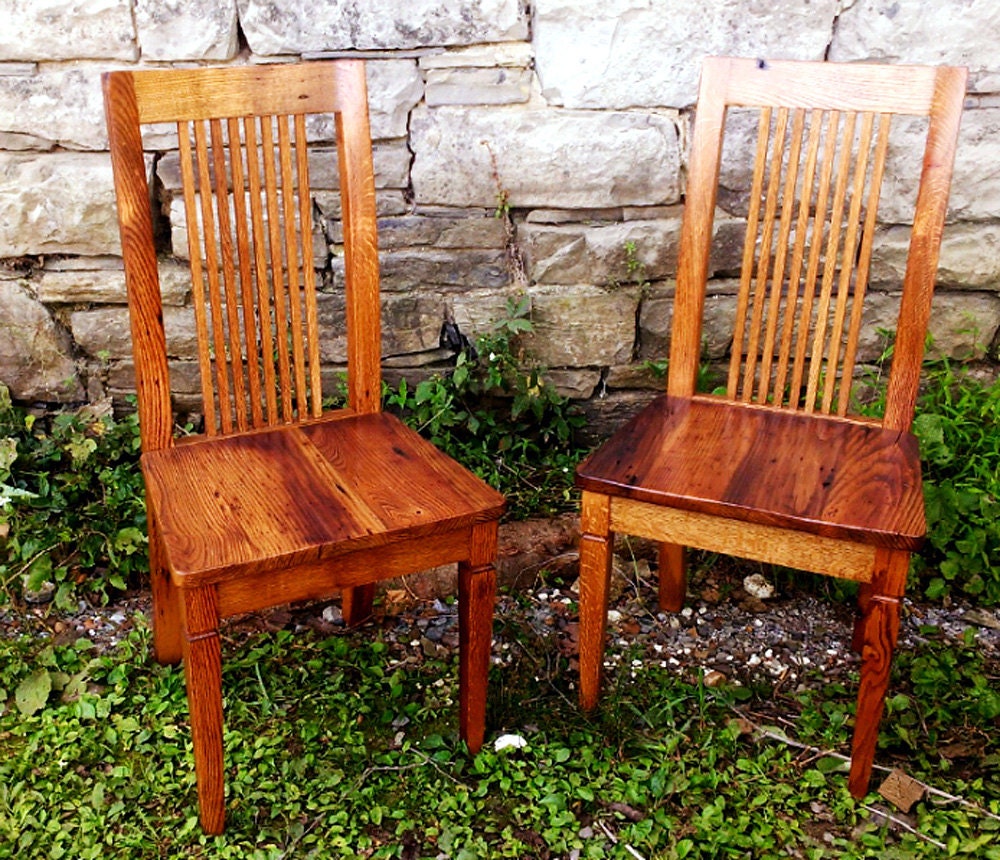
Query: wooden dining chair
<point>277,500</point>
<point>778,469</point>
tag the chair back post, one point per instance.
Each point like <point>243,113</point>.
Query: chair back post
<point>364,341</point>
<point>152,379</point>
<point>925,246</point>
<point>696,229</point>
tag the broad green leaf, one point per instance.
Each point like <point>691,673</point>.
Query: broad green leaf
<point>33,692</point>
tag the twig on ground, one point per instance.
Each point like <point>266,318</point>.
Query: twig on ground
<point>898,822</point>
<point>614,841</point>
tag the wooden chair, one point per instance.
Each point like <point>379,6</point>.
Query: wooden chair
<point>277,501</point>
<point>777,469</point>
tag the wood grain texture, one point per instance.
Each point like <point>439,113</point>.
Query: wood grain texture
<point>277,502</point>
<point>295,494</point>
<point>477,582</point>
<point>824,476</point>
<point>595,578</point>
<point>203,671</point>
<point>672,576</point>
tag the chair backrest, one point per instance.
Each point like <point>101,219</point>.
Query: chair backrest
<point>822,143</point>
<point>245,175</point>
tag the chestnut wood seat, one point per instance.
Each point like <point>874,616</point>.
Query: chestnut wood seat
<point>278,500</point>
<point>842,480</point>
<point>777,468</point>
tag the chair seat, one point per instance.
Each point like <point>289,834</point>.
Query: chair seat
<point>306,492</point>
<point>811,473</point>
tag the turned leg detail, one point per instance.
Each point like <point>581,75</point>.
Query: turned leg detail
<point>595,579</point>
<point>880,630</point>
<point>477,581</point>
<point>203,670</point>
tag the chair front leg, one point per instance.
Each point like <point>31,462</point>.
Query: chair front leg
<point>167,646</point>
<point>477,582</point>
<point>203,671</point>
<point>673,576</point>
<point>880,632</point>
<point>595,579</point>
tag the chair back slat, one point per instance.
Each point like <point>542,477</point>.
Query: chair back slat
<point>244,172</point>
<point>811,218</point>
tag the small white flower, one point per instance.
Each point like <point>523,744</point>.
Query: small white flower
<point>509,741</point>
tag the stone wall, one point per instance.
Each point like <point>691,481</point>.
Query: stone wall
<point>578,110</point>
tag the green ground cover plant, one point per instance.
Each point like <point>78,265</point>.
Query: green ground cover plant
<point>345,746</point>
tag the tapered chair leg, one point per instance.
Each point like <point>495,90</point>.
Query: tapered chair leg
<point>864,600</point>
<point>881,629</point>
<point>477,580</point>
<point>356,604</point>
<point>167,646</point>
<point>673,577</point>
<point>203,670</point>
<point>595,579</point>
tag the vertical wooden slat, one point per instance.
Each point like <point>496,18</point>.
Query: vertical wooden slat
<point>749,252</point>
<point>864,258</point>
<point>288,192</point>
<point>798,256</point>
<point>229,285</point>
<point>184,129</point>
<point>246,274</point>
<point>260,256</point>
<point>752,364</point>
<point>210,245</point>
<point>309,274</point>
<point>781,255</point>
<point>831,257</point>
<point>277,267</point>
<point>847,261</point>
<point>816,245</point>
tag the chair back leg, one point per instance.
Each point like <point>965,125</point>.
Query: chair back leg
<point>167,646</point>
<point>596,541</point>
<point>356,603</point>
<point>672,576</point>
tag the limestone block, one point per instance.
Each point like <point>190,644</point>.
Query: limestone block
<point>960,32</point>
<point>630,53</point>
<point>455,269</point>
<point>970,256</point>
<point>300,26</point>
<point>185,378</point>
<point>57,203</point>
<point>182,30</point>
<point>475,228</point>
<point>494,86</point>
<point>411,323</point>
<point>35,353</point>
<point>582,325</point>
<point>963,324</point>
<point>77,284</point>
<point>36,30</point>
<point>475,311</point>
<point>577,384</point>
<point>552,158</point>
<point>62,108</point>
<point>104,333</point>
<point>516,54</point>
<point>596,253</point>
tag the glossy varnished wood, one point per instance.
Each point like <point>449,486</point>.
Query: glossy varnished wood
<point>839,479</point>
<point>777,469</point>
<point>277,502</point>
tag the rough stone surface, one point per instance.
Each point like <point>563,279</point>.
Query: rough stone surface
<point>57,203</point>
<point>299,26</point>
<point>947,31</point>
<point>394,88</point>
<point>35,354</point>
<point>970,256</point>
<point>46,109</point>
<point>107,286</point>
<point>181,30</point>
<point>36,30</point>
<point>627,53</point>
<point>571,159</point>
<point>656,313</point>
<point>519,54</point>
<point>104,333</point>
<point>493,86</point>
<point>582,325</point>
